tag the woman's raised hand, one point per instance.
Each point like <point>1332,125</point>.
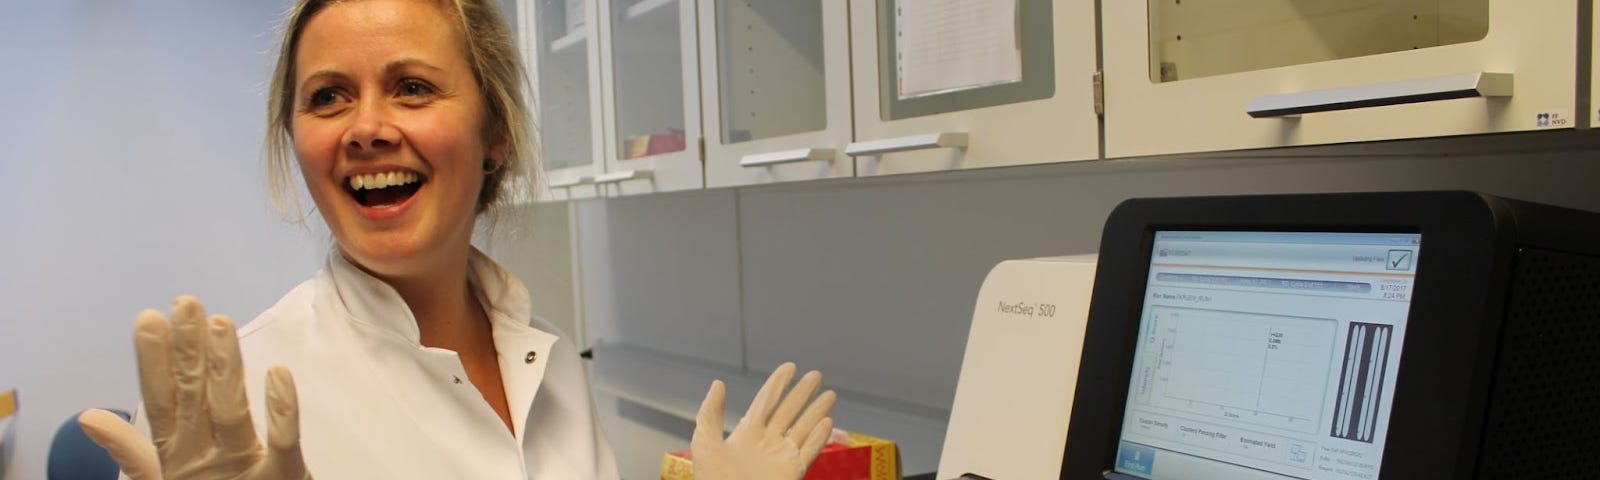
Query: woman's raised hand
<point>774,440</point>
<point>193,384</point>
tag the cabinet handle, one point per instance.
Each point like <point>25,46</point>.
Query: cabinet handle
<point>907,143</point>
<point>573,182</point>
<point>624,175</point>
<point>786,156</point>
<point>567,41</point>
<point>645,6</point>
<point>1444,87</point>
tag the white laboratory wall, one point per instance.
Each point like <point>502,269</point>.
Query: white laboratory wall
<point>534,242</point>
<point>873,280</point>
<point>130,141</point>
<point>663,277</point>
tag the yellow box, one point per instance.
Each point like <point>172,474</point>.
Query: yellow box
<point>8,403</point>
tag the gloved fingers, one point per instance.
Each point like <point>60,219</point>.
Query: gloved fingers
<point>232,429</point>
<point>152,340</point>
<point>134,454</point>
<point>816,412</point>
<point>708,423</point>
<point>191,439</point>
<point>815,440</point>
<point>283,459</point>
<point>767,397</point>
<point>797,398</point>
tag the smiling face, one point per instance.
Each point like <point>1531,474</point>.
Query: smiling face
<point>388,127</point>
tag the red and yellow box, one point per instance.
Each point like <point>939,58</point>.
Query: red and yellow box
<point>862,457</point>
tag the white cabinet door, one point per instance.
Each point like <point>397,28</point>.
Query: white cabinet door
<point>946,85</point>
<point>560,43</point>
<point>776,90</point>
<point>1182,76</point>
<point>651,96</point>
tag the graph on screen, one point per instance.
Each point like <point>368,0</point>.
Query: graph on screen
<point>1266,370</point>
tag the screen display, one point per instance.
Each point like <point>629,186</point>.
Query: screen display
<point>1267,355</point>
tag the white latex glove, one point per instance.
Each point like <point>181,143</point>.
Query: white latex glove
<point>767,444</point>
<point>192,380</point>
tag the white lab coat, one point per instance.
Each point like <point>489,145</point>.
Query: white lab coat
<point>375,403</point>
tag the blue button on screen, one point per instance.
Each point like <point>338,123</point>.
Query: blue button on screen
<point>1135,458</point>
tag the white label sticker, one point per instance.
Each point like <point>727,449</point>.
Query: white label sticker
<point>1554,118</point>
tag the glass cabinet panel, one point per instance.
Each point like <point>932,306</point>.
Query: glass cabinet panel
<point>776,100</point>
<point>965,84</point>
<point>1201,38</point>
<point>647,73</point>
<point>562,81</point>
<point>770,68</point>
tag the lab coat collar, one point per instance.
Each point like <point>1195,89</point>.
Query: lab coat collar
<point>524,352</point>
<point>368,300</point>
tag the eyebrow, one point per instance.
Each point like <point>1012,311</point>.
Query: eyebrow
<point>389,69</point>
<point>332,76</point>
<point>408,62</point>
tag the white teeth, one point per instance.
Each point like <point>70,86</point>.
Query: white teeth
<point>374,181</point>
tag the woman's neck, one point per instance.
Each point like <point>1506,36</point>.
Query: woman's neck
<point>448,315</point>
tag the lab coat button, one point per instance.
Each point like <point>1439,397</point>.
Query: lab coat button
<point>531,357</point>
<point>458,380</point>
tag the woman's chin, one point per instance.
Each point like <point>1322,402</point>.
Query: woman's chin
<point>387,257</point>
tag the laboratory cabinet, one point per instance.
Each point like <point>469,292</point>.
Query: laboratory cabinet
<point>775,90</point>
<point>961,84</point>
<point>562,54</point>
<point>1210,75</point>
<point>650,92</point>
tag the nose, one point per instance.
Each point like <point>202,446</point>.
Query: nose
<point>370,130</point>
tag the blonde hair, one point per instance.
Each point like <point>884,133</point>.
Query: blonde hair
<point>497,67</point>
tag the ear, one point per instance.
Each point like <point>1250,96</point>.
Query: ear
<point>497,152</point>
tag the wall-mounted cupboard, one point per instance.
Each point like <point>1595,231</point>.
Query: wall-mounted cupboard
<point>949,85</point>
<point>664,95</point>
<point>775,90</point>
<point>1206,75</point>
<point>560,47</point>
<point>616,86</point>
<point>650,92</point>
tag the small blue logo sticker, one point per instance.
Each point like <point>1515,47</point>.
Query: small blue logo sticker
<point>1544,120</point>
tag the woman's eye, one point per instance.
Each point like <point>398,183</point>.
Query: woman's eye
<point>415,88</point>
<point>324,97</point>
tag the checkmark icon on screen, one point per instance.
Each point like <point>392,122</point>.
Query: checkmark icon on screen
<point>1399,260</point>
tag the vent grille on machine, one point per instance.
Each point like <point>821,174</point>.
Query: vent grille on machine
<point>1544,406</point>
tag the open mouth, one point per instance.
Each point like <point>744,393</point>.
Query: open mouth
<point>384,189</point>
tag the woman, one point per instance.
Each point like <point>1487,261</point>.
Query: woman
<point>413,354</point>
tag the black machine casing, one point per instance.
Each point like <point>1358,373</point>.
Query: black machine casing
<point>1499,374</point>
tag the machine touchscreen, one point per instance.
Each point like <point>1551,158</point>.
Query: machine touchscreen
<point>1267,355</point>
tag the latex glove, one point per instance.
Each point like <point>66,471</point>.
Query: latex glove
<point>192,379</point>
<point>770,442</point>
